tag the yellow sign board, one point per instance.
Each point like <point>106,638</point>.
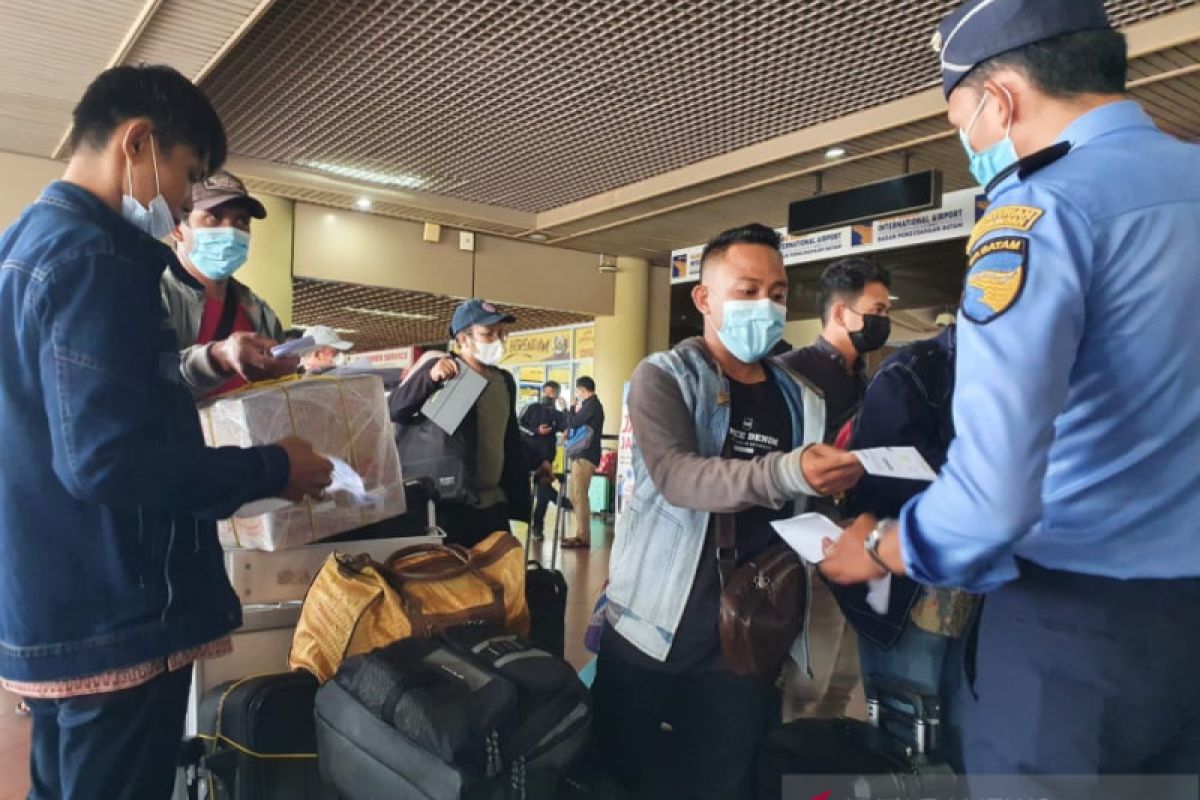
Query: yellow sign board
<point>532,374</point>
<point>585,342</point>
<point>561,376</point>
<point>534,348</point>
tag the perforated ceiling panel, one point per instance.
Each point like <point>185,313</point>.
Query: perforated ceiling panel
<point>532,104</point>
<point>375,318</point>
<point>51,51</point>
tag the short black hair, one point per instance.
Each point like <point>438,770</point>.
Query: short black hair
<point>1087,62</point>
<point>845,279</point>
<point>586,383</point>
<point>754,233</point>
<point>552,385</point>
<point>178,110</point>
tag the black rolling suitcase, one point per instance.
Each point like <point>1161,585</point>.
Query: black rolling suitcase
<point>546,590</point>
<point>257,741</point>
<point>893,755</point>
<point>473,714</point>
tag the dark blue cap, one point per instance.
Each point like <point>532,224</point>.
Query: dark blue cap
<point>477,312</point>
<point>982,29</point>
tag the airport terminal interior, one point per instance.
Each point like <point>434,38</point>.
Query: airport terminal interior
<point>565,161</point>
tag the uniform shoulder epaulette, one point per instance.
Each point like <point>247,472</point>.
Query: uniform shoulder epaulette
<point>1041,159</point>
<point>1032,163</point>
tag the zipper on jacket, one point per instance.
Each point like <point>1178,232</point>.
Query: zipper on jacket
<point>141,550</point>
<point>167,572</point>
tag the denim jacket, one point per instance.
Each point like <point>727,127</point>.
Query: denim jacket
<point>660,537</point>
<point>109,496</point>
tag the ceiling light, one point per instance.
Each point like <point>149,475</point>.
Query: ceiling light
<point>538,237</point>
<point>835,152</point>
<point>893,297</point>
<point>363,204</point>
<point>370,176</point>
<point>375,312</point>
<point>345,330</point>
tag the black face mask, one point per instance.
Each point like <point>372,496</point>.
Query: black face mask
<point>876,330</point>
<point>547,401</point>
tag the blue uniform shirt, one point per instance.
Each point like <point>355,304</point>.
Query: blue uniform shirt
<point>1077,405</point>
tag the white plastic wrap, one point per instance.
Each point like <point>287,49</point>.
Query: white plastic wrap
<point>344,418</point>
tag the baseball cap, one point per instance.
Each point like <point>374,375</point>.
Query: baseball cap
<point>224,187</point>
<point>983,29</point>
<point>477,312</point>
<point>324,336</point>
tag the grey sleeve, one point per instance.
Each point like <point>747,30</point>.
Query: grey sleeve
<point>272,326</point>
<point>198,371</point>
<point>663,429</point>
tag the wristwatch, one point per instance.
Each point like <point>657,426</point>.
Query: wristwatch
<point>873,540</point>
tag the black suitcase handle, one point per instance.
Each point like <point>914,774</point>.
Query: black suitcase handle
<point>418,491</point>
<point>893,706</point>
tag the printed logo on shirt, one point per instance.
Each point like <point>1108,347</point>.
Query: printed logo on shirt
<point>995,278</point>
<point>746,442</point>
<point>1017,218</point>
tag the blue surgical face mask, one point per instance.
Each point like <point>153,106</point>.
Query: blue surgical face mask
<point>750,328</point>
<point>219,252</point>
<point>155,219</point>
<point>987,164</point>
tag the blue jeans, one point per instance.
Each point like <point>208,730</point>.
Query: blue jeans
<point>115,746</point>
<point>929,663</point>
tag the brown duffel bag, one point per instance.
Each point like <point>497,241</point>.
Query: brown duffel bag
<point>355,604</point>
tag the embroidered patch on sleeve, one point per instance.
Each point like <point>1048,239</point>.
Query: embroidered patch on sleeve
<point>1010,218</point>
<point>996,273</point>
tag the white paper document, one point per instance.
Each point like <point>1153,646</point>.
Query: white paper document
<point>896,462</point>
<point>296,347</point>
<point>347,490</point>
<point>805,533</point>
<point>350,484</point>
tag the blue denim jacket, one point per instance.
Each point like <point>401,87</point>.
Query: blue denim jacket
<point>657,546</point>
<point>109,496</point>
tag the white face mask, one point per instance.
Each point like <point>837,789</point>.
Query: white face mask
<point>155,220</point>
<point>489,353</point>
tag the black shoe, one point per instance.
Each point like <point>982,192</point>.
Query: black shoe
<point>537,533</point>
<point>565,504</point>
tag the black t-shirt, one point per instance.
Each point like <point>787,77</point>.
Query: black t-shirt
<point>822,364</point>
<point>759,423</point>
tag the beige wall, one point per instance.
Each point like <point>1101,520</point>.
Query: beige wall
<point>269,270</point>
<point>621,337</point>
<point>658,315</point>
<point>336,245</point>
<point>332,244</point>
<point>24,177</point>
<point>510,271</point>
<point>802,332</point>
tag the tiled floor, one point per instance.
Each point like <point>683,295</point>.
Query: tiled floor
<point>14,750</point>
<point>585,571</point>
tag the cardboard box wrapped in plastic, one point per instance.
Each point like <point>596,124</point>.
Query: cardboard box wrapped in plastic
<point>344,418</point>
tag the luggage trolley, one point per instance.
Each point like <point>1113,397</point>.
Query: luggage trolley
<point>272,587</point>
